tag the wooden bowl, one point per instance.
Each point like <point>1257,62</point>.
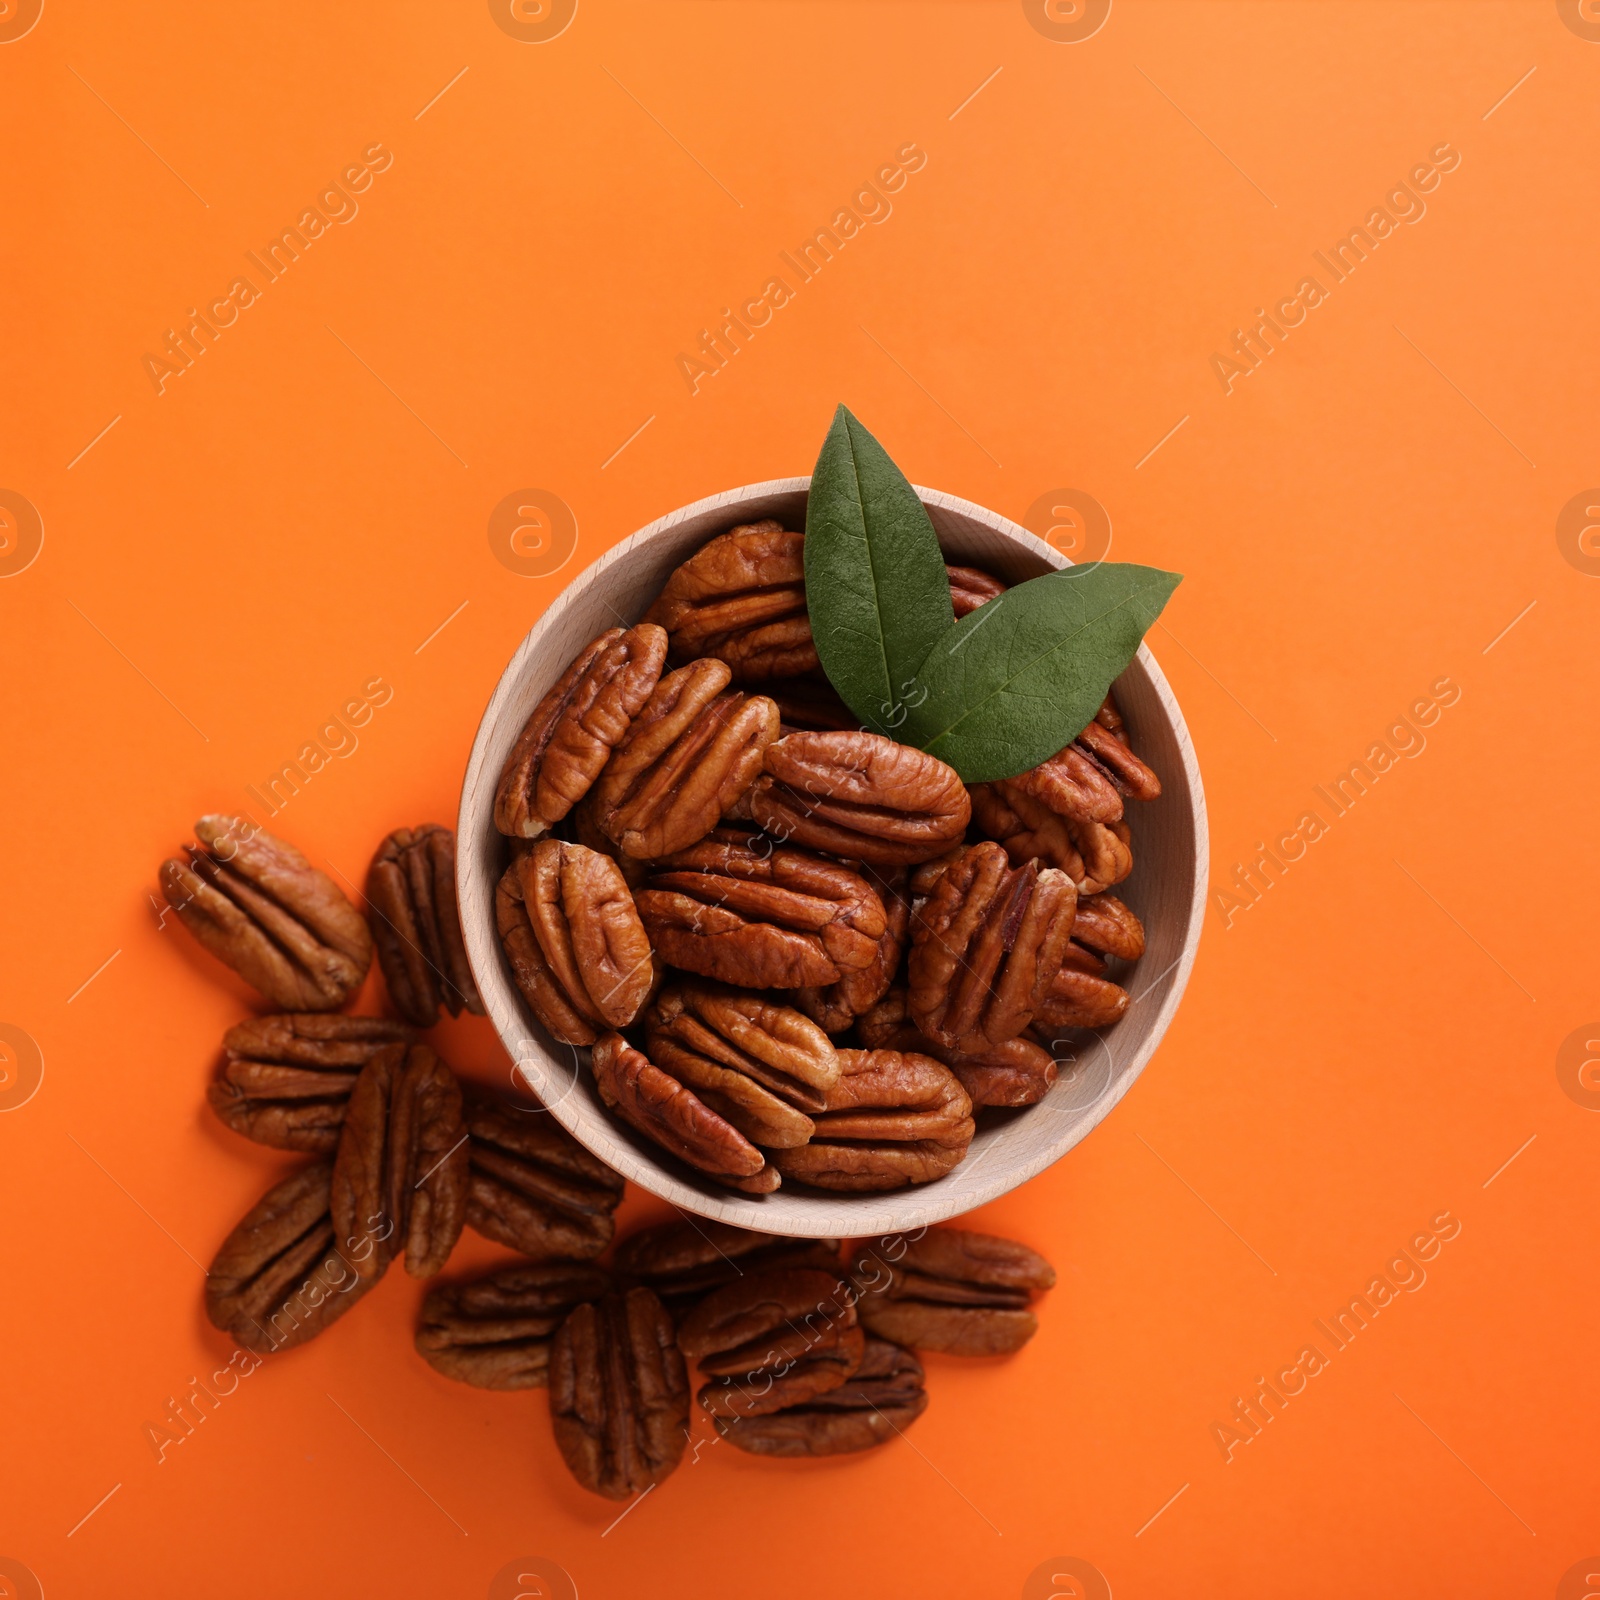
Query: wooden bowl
<point>1167,889</point>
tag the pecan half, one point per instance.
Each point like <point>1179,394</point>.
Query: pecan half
<point>495,1332</point>
<point>400,1178</point>
<point>577,948</point>
<point>878,1401</point>
<point>574,729</point>
<point>737,908</point>
<point>278,1279</point>
<point>985,946</point>
<point>532,1185</point>
<point>690,755</point>
<point>835,1006</point>
<point>286,1080</point>
<point>411,900</point>
<point>970,587</point>
<point>759,1065</point>
<point>742,599</point>
<point>259,906</point>
<point>1105,924</point>
<point>895,1118</point>
<point>619,1394</point>
<point>953,1290</point>
<point>1019,1072</point>
<point>1094,855</point>
<point>684,1260</point>
<point>1081,996</point>
<point>663,1110</point>
<point>861,796</point>
<point>772,1339</point>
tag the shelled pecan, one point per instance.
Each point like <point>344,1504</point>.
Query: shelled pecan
<point>1094,855</point>
<point>400,1178</point>
<point>619,1394</point>
<point>279,1278</point>
<point>1082,996</point>
<point>685,1259</point>
<point>875,1404</point>
<point>286,1080</point>
<point>577,948</point>
<point>674,1117</point>
<point>532,1186</point>
<point>894,1118</point>
<point>259,906</point>
<point>411,900</point>
<point>833,1007</point>
<point>495,1332</point>
<point>693,750</point>
<point>970,587</point>
<point>771,1340</point>
<point>985,947</point>
<point>860,796</point>
<point>950,1289</point>
<point>759,1065</point>
<point>574,729</point>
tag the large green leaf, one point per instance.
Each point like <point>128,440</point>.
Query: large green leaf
<point>875,581</point>
<point>1019,678</point>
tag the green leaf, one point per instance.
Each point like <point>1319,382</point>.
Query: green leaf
<point>1020,678</point>
<point>875,581</point>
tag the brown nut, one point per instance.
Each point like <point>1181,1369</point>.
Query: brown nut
<point>759,1065</point>
<point>533,1186</point>
<point>985,947</point>
<point>860,796</point>
<point>577,948</point>
<point>895,1118</point>
<point>685,1259</point>
<point>278,1279</point>
<point>690,755</point>
<point>259,906</point>
<point>742,599</point>
<point>574,729</point>
<point>286,1080</point>
<point>495,1332</point>
<point>772,1339</point>
<point>676,1118</point>
<point>970,587</point>
<point>876,1403</point>
<point>1094,855</point>
<point>1105,924</point>
<point>950,1289</point>
<point>411,900</point>
<point>737,908</point>
<point>400,1178</point>
<point>1082,997</point>
<point>619,1394</point>
<point>811,705</point>
<point>835,1006</point>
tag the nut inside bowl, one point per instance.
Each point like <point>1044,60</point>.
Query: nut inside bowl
<point>1167,889</point>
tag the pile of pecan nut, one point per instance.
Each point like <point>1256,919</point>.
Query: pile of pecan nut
<point>794,948</point>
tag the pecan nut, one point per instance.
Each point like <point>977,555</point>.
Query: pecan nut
<point>771,1340</point>
<point>577,948</point>
<point>686,1259</point>
<point>400,1177</point>
<point>533,1186</point>
<point>759,1065</point>
<point>860,796</point>
<point>879,1401</point>
<point>286,1080</point>
<point>970,587</point>
<point>742,599</point>
<point>574,729</point>
<point>411,899</point>
<point>691,754</point>
<point>675,1118</point>
<point>278,1279</point>
<point>495,1332</point>
<point>985,947</point>
<point>1082,996</point>
<point>259,906</point>
<point>736,908</point>
<point>950,1289</point>
<point>894,1118</point>
<point>833,1007</point>
<point>619,1394</point>
<point>1094,855</point>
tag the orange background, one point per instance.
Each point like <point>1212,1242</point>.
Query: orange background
<point>1363,1048</point>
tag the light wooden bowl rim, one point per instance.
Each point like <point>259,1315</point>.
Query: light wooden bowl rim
<point>542,1064</point>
